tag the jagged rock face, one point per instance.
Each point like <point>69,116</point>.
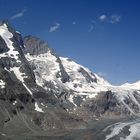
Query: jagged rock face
<point>3,46</point>
<point>89,79</point>
<point>111,105</point>
<point>36,46</point>
<point>107,105</point>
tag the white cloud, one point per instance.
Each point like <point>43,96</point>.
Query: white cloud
<point>91,28</point>
<point>111,19</point>
<point>102,18</point>
<point>115,18</point>
<point>20,14</point>
<point>102,74</point>
<point>74,22</point>
<point>54,27</point>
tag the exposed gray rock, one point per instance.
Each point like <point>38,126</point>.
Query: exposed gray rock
<point>3,46</point>
<point>87,76</point>
<point>34,45</point>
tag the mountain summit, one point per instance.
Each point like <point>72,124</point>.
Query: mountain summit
<point>43,95</point>
<point>76,85</point>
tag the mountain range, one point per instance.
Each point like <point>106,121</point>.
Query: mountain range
<point>44,96</point>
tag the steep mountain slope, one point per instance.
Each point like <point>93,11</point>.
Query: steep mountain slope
<point>24,106</point>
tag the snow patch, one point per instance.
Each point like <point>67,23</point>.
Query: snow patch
<point>2,84</point>
<point>37,108</point>
<point>2,134</point>
<point>71,100</point>
<point>20,76</point>
<point>27,89</point>
<point>14,103</point>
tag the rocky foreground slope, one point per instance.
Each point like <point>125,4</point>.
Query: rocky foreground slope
<point>45,96</point>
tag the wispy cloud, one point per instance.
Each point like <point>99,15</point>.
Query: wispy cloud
<point>54,28</point>
<point>91,28</point>
<point>20,14</point>
<point>102,74</point>
<point>103,17</point>
<point>115,18</point>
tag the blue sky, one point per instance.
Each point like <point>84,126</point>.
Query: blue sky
<point>103,35</point>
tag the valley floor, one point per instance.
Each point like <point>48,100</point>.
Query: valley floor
<point>126,129</point>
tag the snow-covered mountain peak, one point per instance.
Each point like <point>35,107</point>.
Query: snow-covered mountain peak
<point>134,86</point>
